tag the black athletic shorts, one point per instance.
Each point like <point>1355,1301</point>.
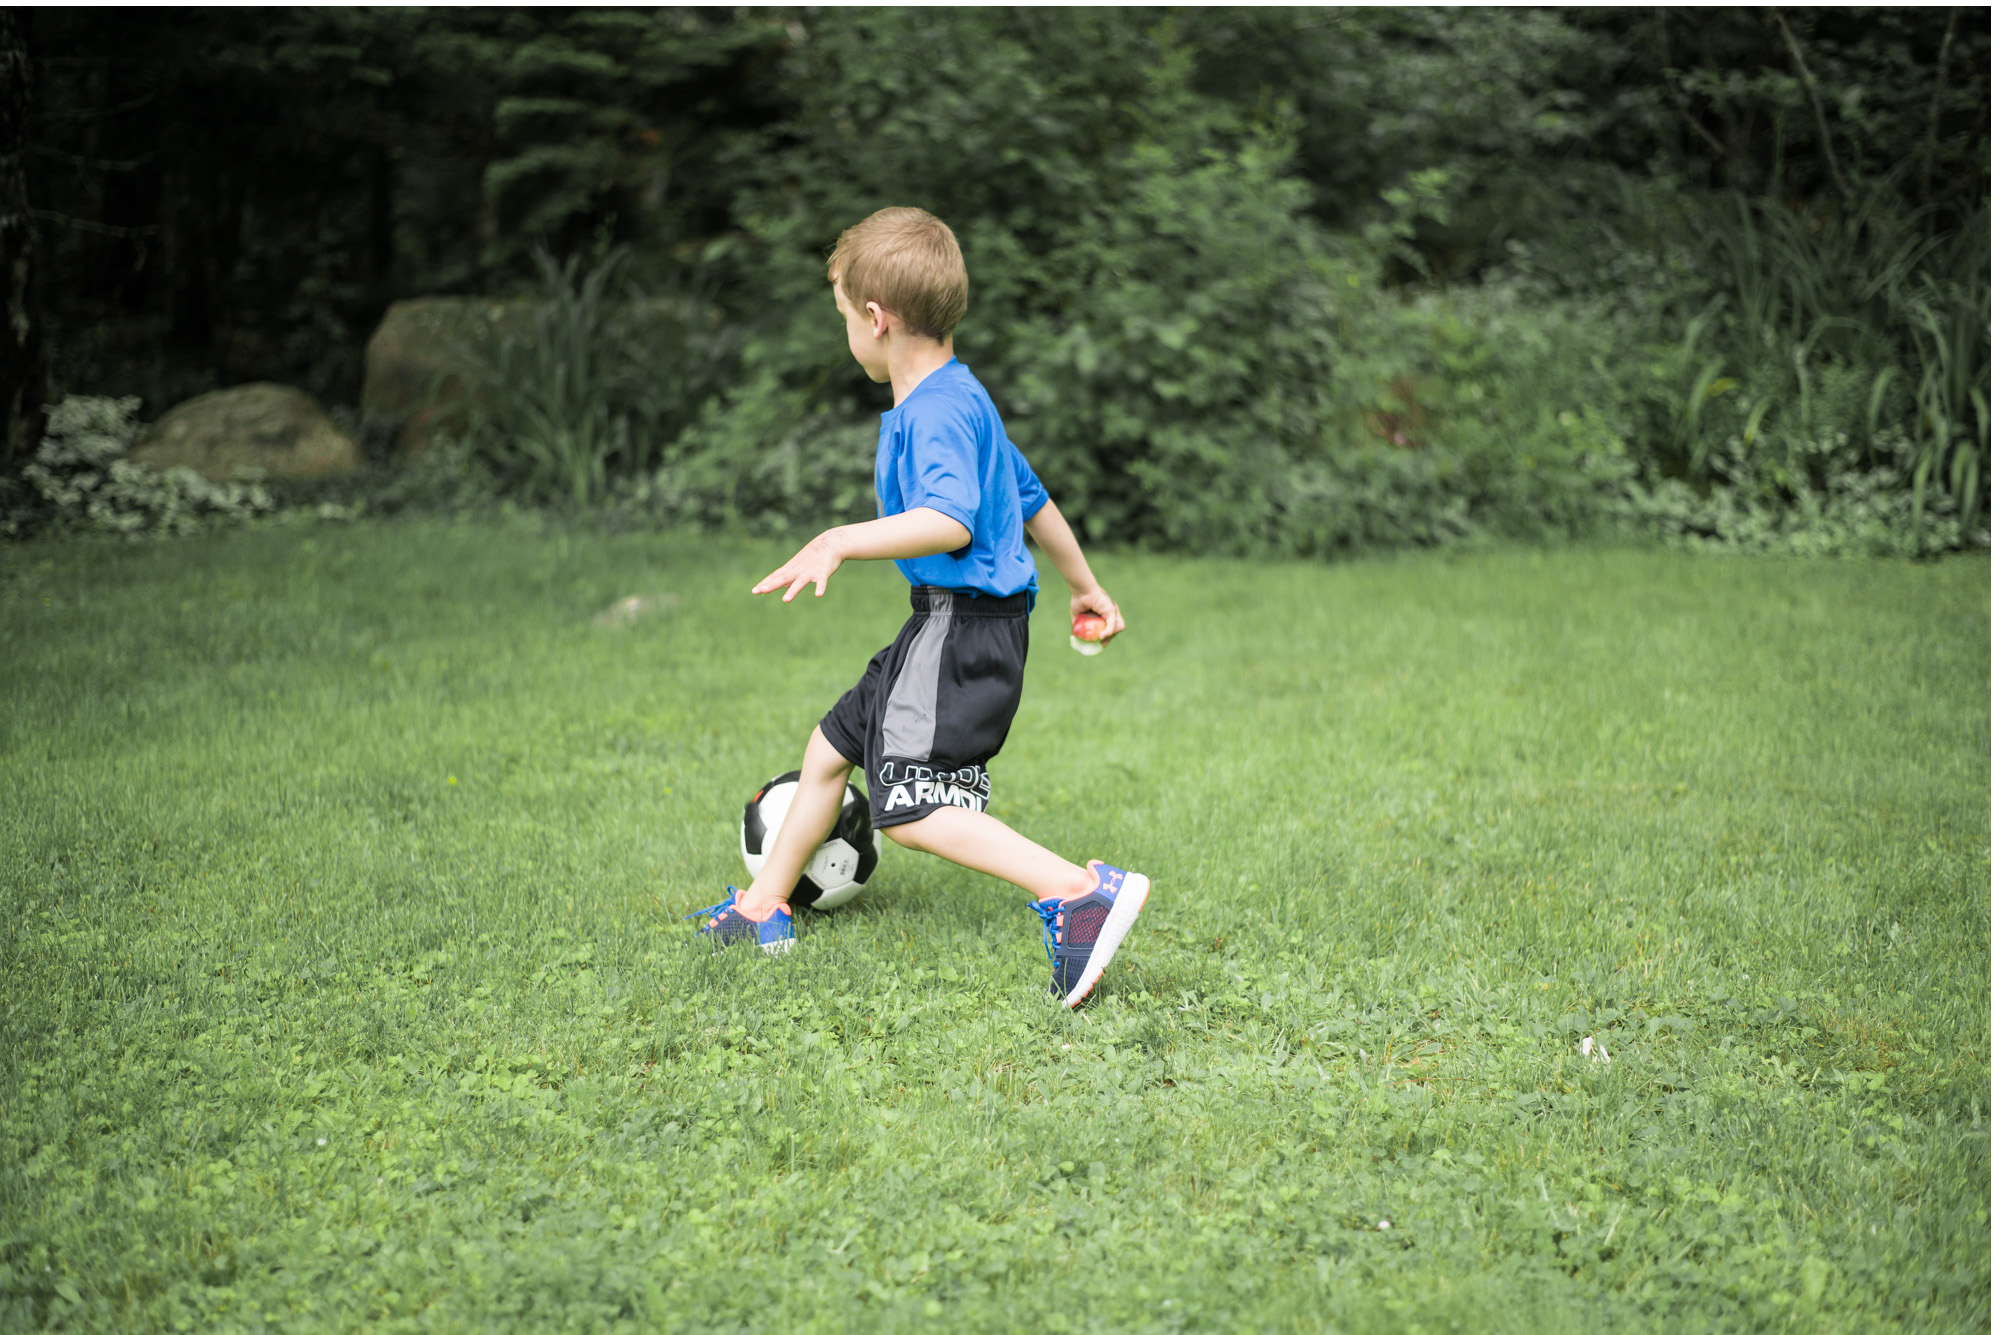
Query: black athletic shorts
<point>935,706</point>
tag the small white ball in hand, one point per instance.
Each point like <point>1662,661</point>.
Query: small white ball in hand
<point>1084,629</point>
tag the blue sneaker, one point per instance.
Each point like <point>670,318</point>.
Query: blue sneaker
<point>727,925</point>
<point>1085,932</point>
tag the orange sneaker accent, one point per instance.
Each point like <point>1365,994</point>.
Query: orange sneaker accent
<point>777,906</point>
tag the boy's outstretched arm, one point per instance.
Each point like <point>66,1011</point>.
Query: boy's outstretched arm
<point>919,532</point>
<point>1051,533</point>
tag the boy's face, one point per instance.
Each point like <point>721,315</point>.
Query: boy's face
<point>867,335</point>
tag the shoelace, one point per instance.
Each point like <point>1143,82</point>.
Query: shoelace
<point>713,909</point>
<point>1049,912</point>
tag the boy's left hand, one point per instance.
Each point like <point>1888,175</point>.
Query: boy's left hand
<point>813,564</point>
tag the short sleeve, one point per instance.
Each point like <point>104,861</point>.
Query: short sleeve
<point>946,464</point>
<point>1033,494</point>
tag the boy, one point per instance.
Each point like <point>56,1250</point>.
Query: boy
<point>955,498</point>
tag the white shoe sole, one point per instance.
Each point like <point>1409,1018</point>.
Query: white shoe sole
<point>1124,912</point>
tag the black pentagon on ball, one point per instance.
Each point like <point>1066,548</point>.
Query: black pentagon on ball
<point>753,814</point>
<point>858,830</point>
<point>852,824</point>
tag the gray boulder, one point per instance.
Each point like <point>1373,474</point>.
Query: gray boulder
<point>250,431</point>
<point>407,375</point>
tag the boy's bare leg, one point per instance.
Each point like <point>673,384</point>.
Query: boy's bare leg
<point>979,841</point>
<point>815,806</point>
<point>1081,941</point>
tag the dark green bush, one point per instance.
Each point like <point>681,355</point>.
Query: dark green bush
<point>767,460</point>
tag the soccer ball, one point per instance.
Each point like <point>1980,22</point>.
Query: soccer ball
<point>843,864</point>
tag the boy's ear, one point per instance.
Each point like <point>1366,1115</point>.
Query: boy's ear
<point>880,319</point>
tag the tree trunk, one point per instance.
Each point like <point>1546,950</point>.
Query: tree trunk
<point>23,369</point>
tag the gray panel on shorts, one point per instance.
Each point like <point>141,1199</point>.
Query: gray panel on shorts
<point>909,720</point>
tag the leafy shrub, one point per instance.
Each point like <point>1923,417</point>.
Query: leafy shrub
<point>1826,501</point>
<point>1392,424</point>
<point>1527,398</point>
<point>83,480</point>
<point>764,460</point>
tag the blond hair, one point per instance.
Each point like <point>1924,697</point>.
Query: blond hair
<point>906,262</point>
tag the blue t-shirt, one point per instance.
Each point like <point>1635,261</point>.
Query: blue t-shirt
<point>943,447</point>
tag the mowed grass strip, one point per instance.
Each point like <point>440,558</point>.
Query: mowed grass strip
<point>344,981</point>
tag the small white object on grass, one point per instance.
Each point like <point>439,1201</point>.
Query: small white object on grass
<point>1594,1050</point>
<point>627,611</point>
<point>1383,1226</point>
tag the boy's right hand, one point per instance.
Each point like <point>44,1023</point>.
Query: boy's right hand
<point>813,564</point>
<point>1098,603</point>
<point>913,533</point>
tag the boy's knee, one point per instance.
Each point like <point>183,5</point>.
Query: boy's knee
<point>822,761</point>
<point>907,834</point>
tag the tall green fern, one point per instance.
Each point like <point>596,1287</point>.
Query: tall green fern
<point>1894,294</point>
<point>587,383</point>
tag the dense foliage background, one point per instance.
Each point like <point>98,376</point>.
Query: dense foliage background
<point>1243,280</point>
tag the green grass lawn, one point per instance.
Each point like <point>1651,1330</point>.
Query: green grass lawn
<point>344,982</point>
